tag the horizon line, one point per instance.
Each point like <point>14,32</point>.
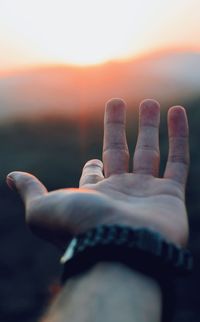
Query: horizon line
<point>128,59</point>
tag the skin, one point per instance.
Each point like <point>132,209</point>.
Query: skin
<point>109,193</point>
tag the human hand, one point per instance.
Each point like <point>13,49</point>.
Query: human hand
<point>137,199</point>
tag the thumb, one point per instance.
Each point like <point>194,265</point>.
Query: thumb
<point>28,186</point>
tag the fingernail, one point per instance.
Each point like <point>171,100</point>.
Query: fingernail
<point>11,183</point>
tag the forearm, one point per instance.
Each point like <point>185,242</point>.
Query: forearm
<point>109,292</point>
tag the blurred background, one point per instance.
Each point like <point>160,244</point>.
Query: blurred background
<point>60,60</point>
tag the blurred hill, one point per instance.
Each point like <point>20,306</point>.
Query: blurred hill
<point>71,90</point>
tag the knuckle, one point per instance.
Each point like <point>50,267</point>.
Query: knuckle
<point>116,146</point>
<point>179,158</point>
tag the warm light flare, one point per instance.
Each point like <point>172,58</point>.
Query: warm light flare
<point>89,31</point>
<point>79,32</point>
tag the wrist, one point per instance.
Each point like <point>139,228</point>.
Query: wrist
<point>141,250</point>
<point>111,292</point>
<point>115,285</point>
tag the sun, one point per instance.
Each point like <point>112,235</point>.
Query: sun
<point>75,31</point>
<point>82,32</point>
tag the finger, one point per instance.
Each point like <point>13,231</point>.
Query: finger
<point>115,149</point>
<point>28,186</point>
<point>92,172</point>
<point>147,155</point>
<point>178,157</point>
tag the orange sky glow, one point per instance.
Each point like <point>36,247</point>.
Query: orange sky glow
<point>38,32</point>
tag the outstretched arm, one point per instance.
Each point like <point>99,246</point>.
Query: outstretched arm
<point>111,194</point>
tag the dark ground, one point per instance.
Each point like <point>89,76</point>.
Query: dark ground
<point>55,153</point>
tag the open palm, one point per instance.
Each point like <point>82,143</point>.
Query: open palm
<point>108,192</point>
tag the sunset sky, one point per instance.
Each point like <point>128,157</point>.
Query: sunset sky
<point>37,32</point>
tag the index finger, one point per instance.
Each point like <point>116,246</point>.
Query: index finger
<point>115,149</point>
